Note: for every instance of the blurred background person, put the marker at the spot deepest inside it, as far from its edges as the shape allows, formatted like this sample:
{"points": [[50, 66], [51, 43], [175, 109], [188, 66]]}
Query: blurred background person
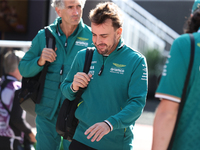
{"points": [[15, 132], [170, 90]]}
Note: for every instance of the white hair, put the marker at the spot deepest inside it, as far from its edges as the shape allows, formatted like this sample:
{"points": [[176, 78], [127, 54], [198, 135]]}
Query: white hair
{"points": [[60, 3]]}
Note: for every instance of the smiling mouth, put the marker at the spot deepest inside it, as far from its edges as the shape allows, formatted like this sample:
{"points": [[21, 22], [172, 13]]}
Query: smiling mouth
{"points": [[100, 47]]}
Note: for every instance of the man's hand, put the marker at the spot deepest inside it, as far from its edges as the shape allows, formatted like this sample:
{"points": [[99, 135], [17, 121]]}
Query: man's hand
{"points": [[32, 137], [81, 79], [98, 130], [48, 54]]}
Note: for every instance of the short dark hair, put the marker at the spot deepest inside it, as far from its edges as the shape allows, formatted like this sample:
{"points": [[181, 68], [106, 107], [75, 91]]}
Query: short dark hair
{"points": [[104, 11]]}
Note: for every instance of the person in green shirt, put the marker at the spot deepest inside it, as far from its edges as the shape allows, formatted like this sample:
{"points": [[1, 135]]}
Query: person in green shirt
{"points": [[116, 86], [71, 35], [170, 90]]}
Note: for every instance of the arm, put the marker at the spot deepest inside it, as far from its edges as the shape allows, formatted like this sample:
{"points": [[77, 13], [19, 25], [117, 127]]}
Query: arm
{"points": [[170, 91], [34, 59], [137, 91], [75, 78], [164, 122], [134, 105]]}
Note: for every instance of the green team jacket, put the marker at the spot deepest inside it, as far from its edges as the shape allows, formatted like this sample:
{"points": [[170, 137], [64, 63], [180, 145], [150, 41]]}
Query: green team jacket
{"points": [[52, 97], [118, 95]]}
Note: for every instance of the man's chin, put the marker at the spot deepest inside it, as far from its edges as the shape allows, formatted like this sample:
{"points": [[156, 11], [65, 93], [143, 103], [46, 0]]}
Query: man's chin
{"points": [[76, 20], [101, 52]]}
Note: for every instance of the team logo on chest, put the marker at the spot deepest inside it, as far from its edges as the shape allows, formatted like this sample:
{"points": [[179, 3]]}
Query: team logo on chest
{"points": [[82, 41], [117, 68]]}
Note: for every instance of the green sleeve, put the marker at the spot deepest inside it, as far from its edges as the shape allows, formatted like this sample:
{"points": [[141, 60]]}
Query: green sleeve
{"points": [[137, 91], [28, 66], [175, 69], [65, 86]]}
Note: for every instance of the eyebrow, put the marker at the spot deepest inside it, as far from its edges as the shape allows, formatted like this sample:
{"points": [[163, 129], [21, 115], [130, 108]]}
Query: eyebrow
{"points": [[100, 34]]}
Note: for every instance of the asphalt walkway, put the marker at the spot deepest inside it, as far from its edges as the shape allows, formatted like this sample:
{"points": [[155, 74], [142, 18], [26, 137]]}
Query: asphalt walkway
{"points": [[143, 130]]}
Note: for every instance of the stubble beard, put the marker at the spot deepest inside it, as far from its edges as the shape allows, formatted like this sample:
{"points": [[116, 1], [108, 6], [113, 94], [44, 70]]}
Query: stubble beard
{"points": [[108, 49]]}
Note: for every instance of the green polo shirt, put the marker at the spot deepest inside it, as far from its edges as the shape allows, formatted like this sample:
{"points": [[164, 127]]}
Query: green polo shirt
{"points": [[171, 87]]}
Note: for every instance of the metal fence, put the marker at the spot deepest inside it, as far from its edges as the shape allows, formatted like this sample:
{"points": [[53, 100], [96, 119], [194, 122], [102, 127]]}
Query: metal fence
{"points": [[4, 44], [24, 45]]}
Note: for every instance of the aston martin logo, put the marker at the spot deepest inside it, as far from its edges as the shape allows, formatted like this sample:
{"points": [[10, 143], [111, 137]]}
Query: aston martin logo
{"points": [[119, 65], [118, 69], [82, 39]]}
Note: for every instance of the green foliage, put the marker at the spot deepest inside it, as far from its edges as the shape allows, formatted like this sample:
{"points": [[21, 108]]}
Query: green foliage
{"points": [[155, 61]]}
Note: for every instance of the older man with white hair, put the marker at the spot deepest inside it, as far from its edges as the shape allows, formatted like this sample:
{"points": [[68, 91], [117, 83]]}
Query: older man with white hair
{"points": [[71, 35]]}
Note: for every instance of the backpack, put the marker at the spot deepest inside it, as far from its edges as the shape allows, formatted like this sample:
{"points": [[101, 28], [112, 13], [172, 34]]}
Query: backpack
{"points": [[32, 87], [3, 85], [26, 141], [67, 122]]}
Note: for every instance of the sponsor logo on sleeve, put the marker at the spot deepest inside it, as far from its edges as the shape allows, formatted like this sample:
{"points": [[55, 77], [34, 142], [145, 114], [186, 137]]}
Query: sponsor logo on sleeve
{"points": [[144, 74]]}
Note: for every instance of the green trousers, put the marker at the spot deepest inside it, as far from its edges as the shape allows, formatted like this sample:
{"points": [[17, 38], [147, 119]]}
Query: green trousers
{"points": [[47, 137]]}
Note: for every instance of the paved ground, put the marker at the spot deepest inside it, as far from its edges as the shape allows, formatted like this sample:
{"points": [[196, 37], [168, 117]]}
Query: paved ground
{"points": [[142, 130], [147, 116]]}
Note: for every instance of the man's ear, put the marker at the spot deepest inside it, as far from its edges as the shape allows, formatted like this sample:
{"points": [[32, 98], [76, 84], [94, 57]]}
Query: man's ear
{"points": [[119, 31], [58, 11]]}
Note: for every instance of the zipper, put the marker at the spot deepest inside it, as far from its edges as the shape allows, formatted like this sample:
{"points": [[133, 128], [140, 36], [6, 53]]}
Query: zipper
{"points": [[104, 61], [124, 132], [102, 67], [61, 73], [61, 70]]}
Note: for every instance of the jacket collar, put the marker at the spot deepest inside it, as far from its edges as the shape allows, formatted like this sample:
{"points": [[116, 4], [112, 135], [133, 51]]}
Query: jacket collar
{"points": [[119, 47]]}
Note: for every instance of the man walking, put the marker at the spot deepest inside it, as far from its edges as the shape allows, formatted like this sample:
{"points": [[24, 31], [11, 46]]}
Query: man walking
{"points": [[116, 86], [71, 35]]}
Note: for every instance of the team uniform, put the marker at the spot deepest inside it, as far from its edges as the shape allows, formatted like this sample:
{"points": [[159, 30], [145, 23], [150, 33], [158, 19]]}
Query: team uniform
{"points": [[52, 97], [171, 87], [117, 95]]}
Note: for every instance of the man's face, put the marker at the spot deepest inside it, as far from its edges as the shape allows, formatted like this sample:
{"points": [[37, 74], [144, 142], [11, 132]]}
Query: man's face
{"points": [[72, 12], [105, 37]]}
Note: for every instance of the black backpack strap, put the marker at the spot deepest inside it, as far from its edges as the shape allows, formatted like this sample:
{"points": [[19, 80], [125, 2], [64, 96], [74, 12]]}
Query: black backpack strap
{"points": [[50, 43], [50, 39], [88, 60], [5, 82], [183, 97]]}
